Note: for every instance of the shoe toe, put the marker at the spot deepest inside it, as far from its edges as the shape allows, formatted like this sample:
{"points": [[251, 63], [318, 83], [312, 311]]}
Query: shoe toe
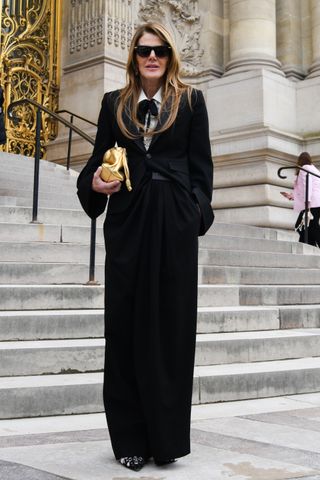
{"points": [[134, 463]]}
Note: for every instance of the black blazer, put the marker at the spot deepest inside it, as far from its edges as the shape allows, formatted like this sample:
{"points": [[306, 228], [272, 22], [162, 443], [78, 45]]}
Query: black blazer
{"points": [[181, 153]]}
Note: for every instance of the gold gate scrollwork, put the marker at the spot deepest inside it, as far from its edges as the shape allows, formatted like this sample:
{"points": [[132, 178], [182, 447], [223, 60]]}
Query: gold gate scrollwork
{"points": [[29, 67]]}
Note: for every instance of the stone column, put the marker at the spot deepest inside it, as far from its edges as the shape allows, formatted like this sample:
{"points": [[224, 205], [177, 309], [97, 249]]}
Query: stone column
{"points": [[289, 50], [315, 27], [252, 36], [211, 36]]}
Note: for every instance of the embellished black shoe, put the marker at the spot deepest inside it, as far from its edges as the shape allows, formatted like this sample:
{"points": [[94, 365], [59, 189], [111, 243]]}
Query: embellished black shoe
{"points": [[134, 463], [160, 463]]}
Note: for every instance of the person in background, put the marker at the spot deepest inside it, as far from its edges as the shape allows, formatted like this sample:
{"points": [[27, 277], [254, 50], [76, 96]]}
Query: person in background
{"points": [[298, 197], [151, 237]]}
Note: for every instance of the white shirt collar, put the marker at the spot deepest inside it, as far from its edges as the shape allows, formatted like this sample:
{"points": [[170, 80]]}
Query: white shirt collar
{"points": [[157, 96]]}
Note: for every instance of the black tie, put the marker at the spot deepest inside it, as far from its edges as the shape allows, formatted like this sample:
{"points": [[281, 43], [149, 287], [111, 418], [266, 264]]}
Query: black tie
{"points": [[147, 107]]}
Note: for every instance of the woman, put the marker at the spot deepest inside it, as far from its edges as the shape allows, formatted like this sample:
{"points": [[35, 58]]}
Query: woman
{"points": [[298, 197], [151, 249]]}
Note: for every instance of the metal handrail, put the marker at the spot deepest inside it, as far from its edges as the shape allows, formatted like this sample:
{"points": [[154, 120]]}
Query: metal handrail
{"points": [[72, 116], [37, 155], [77, 116], [52, 114], [306, 206]]}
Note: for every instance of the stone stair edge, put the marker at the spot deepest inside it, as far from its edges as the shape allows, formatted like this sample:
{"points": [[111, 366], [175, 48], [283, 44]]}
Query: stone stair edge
{"points": [[272, 233], [41, 209], [202, 286], [201, 266], [278, 365], [201, 337], [13, 157], [38, 381], [82, 392]]}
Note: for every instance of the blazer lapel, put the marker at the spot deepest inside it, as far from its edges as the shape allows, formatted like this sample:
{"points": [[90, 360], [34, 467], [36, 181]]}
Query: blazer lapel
{"points": [[133, 129], [164, 114]]}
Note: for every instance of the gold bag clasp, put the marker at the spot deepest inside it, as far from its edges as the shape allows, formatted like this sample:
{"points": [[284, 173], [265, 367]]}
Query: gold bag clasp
{"points": [[115, 166]]}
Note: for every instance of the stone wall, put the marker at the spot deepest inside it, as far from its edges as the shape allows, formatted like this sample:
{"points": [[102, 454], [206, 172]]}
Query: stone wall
{"points": [[258, 63]]}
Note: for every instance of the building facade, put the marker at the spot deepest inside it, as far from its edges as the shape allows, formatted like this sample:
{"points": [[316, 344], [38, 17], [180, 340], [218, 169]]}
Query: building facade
{"points": [[258, 63]]}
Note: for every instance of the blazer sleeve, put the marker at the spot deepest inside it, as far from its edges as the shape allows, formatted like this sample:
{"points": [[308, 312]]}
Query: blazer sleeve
{"points": [[200, 160], [92, 202]]}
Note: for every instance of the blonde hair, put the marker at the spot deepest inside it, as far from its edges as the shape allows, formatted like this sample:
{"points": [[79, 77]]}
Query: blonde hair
{"points": [[173, 87]]}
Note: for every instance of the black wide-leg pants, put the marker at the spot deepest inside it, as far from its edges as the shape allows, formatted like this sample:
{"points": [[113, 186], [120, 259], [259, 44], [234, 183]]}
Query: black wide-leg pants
{"points": [[150, 321], [313, 229]]}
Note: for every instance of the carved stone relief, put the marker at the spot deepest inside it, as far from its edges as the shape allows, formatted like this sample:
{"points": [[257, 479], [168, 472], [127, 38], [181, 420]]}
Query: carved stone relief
{"points": [[95, 23], [119, 23], [86, 27], [183, 18], [92, 20]]}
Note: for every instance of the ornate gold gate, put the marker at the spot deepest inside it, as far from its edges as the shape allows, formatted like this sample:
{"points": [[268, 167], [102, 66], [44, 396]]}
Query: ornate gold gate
{"points": [[29, 66]]}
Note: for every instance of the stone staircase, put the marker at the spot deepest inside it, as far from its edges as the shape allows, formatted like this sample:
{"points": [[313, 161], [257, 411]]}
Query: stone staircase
{"points": [[259, 305]]}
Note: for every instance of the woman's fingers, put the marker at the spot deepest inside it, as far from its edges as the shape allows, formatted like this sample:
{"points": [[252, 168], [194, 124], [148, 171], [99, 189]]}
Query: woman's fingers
{"points": [[113, 186], [100, 186]]}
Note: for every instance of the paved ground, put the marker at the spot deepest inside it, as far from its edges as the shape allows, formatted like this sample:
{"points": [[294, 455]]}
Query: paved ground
{"points": [[269, 439]]}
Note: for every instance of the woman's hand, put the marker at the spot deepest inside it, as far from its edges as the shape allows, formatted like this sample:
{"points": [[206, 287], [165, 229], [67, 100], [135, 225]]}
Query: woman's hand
{"points": [[289, 196], [100, 186]]}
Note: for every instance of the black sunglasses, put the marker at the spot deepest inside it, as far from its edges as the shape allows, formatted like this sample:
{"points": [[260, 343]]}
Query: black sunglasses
{"points": [[160, 51]]}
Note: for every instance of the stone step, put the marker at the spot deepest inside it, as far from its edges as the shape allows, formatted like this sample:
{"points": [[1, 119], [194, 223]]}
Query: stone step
{"points": [[258, 295], [43, 252], [47, 357], [221, 228], [29, 232], [11, 201], [68, 252], [225, 242], [261, 215], [45, 395], [245, 318], [51, 324], [43, 357], [302, 316], [60, 297], [20, 163], [236, 319], [76, 273], [254, 275], [65, 324], [24, 198], [48, 273], [45, 215], [47, 183], [46, 190], [81, 234], [257, 259], [279, 295], [246, 347], [222, 383], [48, 170], [44, 201], [38, 396], [78, 217], [50, 297]]}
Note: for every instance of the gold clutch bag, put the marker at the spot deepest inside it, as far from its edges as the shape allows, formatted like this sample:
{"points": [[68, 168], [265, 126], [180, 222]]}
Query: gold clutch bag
{"points": [[115, 166]]}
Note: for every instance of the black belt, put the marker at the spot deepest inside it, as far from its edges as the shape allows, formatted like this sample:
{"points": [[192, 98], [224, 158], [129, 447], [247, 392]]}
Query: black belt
{"points": [[158, 176]]}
